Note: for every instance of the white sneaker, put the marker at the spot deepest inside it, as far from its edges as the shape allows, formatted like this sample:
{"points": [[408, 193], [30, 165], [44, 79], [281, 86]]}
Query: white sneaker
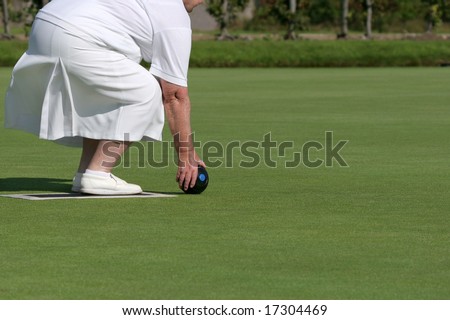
{"points": [[112, 185], [76, 182]]}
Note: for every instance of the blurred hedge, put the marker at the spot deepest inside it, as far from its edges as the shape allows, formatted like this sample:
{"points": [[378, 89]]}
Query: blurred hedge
{"points": [[10, 51], [306, 53], [332, 53]]}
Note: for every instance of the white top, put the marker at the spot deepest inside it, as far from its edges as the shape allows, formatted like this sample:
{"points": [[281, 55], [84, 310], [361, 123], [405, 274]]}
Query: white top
{"points": [[157, 31]]}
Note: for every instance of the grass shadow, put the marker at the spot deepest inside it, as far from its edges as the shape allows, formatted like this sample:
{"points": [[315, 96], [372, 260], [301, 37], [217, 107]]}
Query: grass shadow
{"points": [[24, 184], [35, 184]]}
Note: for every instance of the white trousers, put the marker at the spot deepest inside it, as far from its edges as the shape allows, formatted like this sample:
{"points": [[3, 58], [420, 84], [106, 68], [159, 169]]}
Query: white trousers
{"points": [[66, 87]]}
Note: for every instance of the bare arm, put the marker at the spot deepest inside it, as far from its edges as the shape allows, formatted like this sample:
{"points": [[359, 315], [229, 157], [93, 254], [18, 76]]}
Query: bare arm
{"points": [[177, 106]]}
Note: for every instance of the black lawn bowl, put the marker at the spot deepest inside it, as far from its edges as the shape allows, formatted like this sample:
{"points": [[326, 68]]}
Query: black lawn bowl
{"points": [[201, 184]]}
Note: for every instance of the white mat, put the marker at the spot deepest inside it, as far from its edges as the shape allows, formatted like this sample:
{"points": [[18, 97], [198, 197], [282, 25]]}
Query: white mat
{"points": [[66, 196]]}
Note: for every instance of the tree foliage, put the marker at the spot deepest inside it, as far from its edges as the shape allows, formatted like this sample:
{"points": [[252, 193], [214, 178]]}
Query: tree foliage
{"points": [[225, 11], [387, 15], [289, 14]]}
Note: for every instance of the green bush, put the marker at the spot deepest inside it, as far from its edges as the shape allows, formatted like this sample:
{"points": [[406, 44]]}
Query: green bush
{"points": [[271, 53], [10, 52], [261, 53]]}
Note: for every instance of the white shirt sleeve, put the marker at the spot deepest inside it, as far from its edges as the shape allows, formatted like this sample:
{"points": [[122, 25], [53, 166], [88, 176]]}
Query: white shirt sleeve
{"points": [[172, 36], [171, 52]]}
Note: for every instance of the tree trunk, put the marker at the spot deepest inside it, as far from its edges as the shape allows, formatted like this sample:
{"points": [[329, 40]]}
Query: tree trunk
{"points": [[291, 27], [344, 19], [292, 5], [369, 4], [430, 27], [224, 21], [6, 19]]}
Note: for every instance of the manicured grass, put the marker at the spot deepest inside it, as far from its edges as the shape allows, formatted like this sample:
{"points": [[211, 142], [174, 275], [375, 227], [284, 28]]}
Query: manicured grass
{"points": [[377, 229]]}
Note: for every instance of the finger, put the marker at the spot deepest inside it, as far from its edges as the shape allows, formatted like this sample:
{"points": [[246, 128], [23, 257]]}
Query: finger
{"points": [[194, 178], [187, 180], [181, 177], [201, 163]]}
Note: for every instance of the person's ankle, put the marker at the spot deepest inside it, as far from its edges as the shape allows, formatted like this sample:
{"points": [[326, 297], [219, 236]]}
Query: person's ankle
{"points": [[98, 173]]}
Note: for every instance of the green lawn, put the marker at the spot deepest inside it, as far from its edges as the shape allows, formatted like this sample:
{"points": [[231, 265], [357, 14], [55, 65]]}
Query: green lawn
{"points": [[377, 229]]}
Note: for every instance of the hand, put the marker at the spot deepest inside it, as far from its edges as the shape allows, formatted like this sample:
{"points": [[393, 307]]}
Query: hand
{"points": [[187, 173]]}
